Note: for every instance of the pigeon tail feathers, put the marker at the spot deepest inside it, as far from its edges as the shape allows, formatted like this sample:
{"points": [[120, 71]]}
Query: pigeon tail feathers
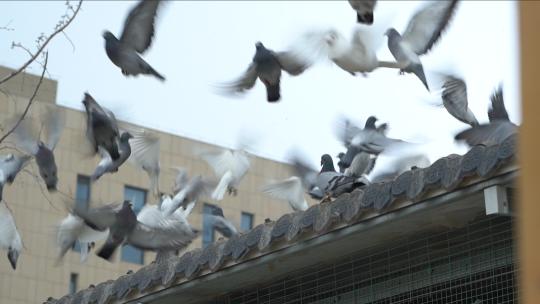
{"points": [[222, 187]]}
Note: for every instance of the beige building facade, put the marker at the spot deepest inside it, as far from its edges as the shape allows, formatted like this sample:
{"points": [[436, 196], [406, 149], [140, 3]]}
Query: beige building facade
{"points": [[38, 212]]}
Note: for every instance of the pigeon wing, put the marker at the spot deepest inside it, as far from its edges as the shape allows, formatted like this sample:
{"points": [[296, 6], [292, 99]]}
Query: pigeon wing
{"points": [[139, 26], [497, 110], [145, 155], [54, 121]]}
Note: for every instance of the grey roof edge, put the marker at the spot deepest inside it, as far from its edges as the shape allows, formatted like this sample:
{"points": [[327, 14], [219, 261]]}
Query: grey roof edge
{"points": [[446, 175]]}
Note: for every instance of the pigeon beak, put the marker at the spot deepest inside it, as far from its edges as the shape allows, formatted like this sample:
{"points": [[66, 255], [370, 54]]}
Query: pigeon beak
{"points": [[13, 256], [51, 188]]}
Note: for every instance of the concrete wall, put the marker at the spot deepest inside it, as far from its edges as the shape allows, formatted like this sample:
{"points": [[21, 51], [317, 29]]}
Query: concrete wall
{"points": [[37, 212]]}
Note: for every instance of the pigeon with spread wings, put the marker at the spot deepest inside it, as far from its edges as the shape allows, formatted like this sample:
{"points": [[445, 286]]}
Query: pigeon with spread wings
{"points": [[73, 229], [289, 190], [101, 127], [145, 155], [454, 96], [10, 166], [136, 39], [424, 29]]}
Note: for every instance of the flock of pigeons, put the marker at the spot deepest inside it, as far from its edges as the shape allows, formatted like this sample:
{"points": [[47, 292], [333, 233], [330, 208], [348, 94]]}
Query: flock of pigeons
{"points": [[164, 227]]}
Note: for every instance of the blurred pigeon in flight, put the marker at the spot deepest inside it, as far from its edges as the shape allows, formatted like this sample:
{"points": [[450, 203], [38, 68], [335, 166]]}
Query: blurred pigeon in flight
{"points": [[25, 138], [364, 10], [101, 127], [10, 165], [401, 165], [136, 39], [497, 130], [107, 164], [220, 223], [229, 166], [181, 179], [355, 56], [423, 31], [191, 192], [10, 239], [326, 183], [71, 229], [267, 66], [145, 149], [290, 190], [119, 219], [454, 98]]}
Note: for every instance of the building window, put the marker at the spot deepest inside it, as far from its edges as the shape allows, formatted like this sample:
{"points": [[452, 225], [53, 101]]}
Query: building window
{"points": [[246, 221], [208, 228], [82, 199], [138, 198], [73, 278]]}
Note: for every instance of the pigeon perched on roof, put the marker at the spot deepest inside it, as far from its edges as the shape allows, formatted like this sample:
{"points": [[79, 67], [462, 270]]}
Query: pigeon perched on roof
{"points": [[220, 223], [266, 66], [289, 190], [101, 127], [72, 229], [27, 139], [364, 10], [496, 131], [195, 188], [229, 166], [454, 98], [423, 31], [107, 164], [119, 219], [145, 149], [136, 39], [357, 55], [10, 239], [326, 183], [356, 162], [10, 165]]}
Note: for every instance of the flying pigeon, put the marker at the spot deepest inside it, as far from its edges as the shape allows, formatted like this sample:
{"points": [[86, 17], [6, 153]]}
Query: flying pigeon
{"points": [[326, 183], [195, 188], [10, 165], [181, 179], [355, 56], [267, 66], [370, 139], [136, 39], [496, 131], [356, 162], [220, 223], [423, 31], [107, 164], [10, 239], [119, 219], [364, 10], [71, 229], [25, 138], [145, 155], [101, 127], [158, 231], [229, 166], [290, 190], [454, 98], [400, 165]]}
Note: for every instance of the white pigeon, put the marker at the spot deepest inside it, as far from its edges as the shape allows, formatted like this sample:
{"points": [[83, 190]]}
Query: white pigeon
{"points": [[181, 179], [10, 239], [229, 166], [10, 166], [290, 190], [191, 192], [72, 228], [145, 147]]}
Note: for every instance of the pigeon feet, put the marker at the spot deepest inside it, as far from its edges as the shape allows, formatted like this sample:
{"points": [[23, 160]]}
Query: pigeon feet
{"points": [[326, 199], [232, 191], [401, 72]]}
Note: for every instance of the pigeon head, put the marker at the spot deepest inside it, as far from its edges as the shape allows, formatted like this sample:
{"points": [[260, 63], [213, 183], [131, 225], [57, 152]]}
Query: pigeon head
{"points": [[391, 32], [259, 45], [108, 35], [13, 256], [127, 204], [217, 211], [340, 155], [370, 122], [366, 18], [125, 136]]}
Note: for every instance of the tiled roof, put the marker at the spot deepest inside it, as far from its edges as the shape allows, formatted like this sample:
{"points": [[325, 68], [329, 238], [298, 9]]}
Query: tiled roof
{"points": [[446, 174]]}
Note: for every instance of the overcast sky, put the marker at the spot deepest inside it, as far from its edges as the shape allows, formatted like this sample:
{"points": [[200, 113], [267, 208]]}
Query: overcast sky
{"points": [[201, 43]]}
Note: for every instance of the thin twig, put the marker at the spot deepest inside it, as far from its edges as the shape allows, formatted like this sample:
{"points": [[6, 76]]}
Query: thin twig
{"points": [[29, 101], [33, 58], [6, 27]]}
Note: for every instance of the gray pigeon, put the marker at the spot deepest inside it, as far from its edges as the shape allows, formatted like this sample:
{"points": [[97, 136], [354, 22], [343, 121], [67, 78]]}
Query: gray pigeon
{"points": [[136, 39], [101, 127], [424, 29], [496, 131], [356, 162], [10, 239], [10, 165], [220, 223], [107, 164], [454, 98], [364, 10], [72, 229], [267, 66], [119, 219], [25, 138]]}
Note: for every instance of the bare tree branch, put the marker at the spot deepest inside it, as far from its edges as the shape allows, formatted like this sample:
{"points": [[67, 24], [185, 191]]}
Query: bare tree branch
{"points": [[30, 101], [59, 29], [6, 27]]}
